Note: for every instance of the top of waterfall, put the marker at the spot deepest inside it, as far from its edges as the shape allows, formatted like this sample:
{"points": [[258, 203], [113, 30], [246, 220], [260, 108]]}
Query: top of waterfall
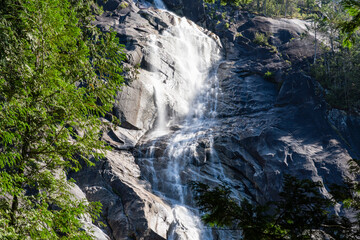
{"points": [[159, 4], [154, 3]]}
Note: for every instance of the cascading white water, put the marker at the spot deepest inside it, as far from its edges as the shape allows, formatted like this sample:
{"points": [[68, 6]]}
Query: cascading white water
{"points": [[159, 90], [193, 54], [186, 98]]}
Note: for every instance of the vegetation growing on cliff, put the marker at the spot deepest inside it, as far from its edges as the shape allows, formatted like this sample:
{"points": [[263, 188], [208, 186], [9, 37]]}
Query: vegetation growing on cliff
{"points": [[337, 46], [283, 8], [337, 69], [301, 212], [58, 74]]}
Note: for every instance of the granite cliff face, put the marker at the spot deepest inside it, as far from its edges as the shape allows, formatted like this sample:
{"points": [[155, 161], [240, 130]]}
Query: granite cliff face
{"points": [[216, 120]]}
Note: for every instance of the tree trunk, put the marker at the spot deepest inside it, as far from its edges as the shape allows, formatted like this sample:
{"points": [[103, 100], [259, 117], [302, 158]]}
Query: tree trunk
{"points": [[14, 208], [315, 42], [264, 7]]}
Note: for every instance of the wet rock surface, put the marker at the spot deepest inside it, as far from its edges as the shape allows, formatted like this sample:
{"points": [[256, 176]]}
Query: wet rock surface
{"points": [[264, 127]]}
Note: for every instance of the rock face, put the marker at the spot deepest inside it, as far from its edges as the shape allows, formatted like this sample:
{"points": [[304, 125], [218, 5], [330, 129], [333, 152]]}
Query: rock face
{"points": [[191, 9], [135, 106], [129, 208], [245, 121], [271, 127]]}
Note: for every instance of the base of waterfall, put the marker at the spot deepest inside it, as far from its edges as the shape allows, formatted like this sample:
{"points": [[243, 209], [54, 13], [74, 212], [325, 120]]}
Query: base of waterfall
{"points": [[187, 225]]}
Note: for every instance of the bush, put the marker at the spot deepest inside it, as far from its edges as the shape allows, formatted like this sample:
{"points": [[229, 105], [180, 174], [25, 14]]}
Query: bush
{"points": [[269, 76], [123, 5], [261, 39]]}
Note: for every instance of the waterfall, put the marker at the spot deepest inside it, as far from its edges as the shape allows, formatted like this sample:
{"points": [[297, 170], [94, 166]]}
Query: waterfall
{"points": [[159, 4], [181, 142], [155, 3]]}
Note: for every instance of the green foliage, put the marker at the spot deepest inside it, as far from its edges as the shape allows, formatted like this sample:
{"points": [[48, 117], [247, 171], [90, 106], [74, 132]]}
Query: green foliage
{"points": [[261, 39], [275, 8], [349, 27], [230, 2], [123, 5], [337, 67], [348, 194], [300, 211], [338, 72], [301, 208], [221, 209], [269, 76], [58, 74]]}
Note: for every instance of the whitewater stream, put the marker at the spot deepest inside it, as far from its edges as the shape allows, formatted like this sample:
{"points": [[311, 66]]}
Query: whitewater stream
{"points": [[181, 142]]}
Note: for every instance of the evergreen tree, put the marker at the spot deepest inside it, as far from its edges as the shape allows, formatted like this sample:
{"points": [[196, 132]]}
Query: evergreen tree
{"points": [[350, 26], [348, 195], [300, 212], [58, 74]]}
